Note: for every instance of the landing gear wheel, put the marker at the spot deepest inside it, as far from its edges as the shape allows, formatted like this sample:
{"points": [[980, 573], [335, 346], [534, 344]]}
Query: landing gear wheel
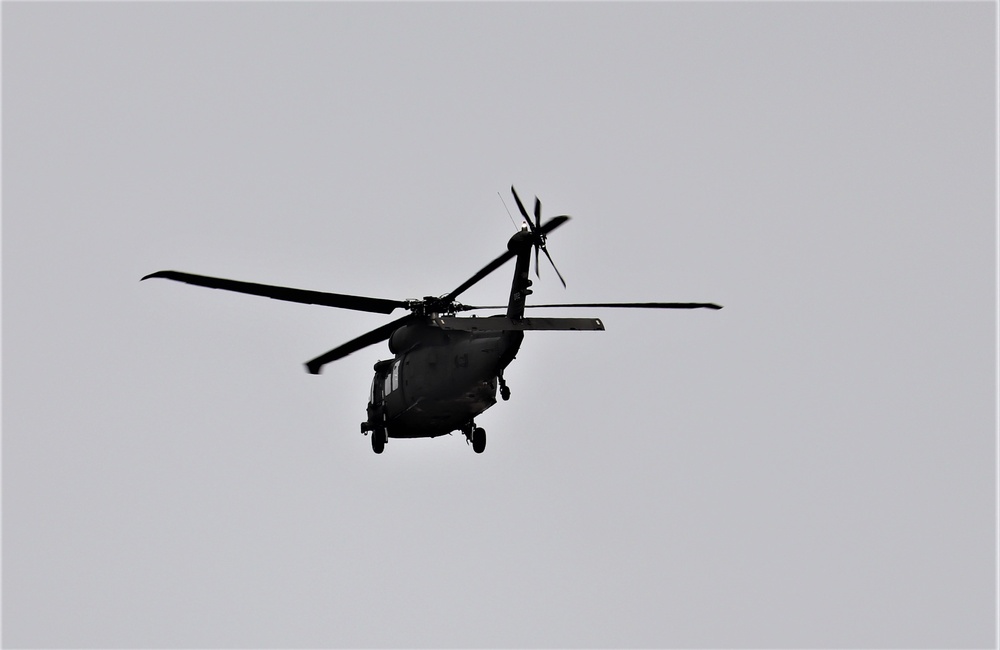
{"points": [[378, 440], [479, 440]]}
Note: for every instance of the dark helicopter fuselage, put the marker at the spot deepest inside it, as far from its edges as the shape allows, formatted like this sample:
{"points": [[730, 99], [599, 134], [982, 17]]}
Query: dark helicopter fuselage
{"points": [[440, 384], [441, 379]]}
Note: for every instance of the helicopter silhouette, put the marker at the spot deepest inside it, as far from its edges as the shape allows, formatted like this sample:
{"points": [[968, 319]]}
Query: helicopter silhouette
{"points": [[446, 368]]}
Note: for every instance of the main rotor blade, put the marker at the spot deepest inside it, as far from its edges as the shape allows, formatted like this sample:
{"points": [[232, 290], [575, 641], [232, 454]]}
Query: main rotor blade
{"points": [[370, 338], [343, 301], [483, 272], [549, 226], [640, 305], [616, 305]]}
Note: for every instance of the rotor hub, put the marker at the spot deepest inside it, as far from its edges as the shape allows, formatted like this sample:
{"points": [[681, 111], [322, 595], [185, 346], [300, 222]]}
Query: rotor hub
{"points": [[434, 305]]}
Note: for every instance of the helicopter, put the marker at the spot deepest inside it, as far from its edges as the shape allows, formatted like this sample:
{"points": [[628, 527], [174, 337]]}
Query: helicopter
{"points": [[445, 369]]}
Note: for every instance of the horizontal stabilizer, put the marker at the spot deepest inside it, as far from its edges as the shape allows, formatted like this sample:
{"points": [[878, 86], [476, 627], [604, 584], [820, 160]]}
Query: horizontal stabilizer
{"points": [[505, 324]]}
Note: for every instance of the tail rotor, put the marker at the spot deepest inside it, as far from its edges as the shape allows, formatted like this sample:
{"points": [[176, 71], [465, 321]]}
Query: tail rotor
{"points": [[536, 231]]}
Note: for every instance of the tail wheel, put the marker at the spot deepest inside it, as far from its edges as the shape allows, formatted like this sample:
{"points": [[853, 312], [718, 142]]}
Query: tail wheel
{"points": [[479, 440]]}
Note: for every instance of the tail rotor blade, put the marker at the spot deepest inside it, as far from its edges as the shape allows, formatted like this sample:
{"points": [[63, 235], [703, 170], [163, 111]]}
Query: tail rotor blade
{"points": [[520, 206], [539, 232], [549, 226], [540, 236], [546, 251]]}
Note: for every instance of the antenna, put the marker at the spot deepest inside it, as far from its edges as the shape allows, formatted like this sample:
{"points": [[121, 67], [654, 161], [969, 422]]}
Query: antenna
{"points": [[508, 211]]}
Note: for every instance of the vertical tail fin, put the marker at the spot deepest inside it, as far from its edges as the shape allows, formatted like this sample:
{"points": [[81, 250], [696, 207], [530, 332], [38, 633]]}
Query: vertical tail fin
{"points": [[521, 244]]}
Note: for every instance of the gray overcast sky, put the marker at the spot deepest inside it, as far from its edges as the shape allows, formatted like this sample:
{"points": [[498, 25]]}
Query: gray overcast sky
{"points": [[815, 465]]}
